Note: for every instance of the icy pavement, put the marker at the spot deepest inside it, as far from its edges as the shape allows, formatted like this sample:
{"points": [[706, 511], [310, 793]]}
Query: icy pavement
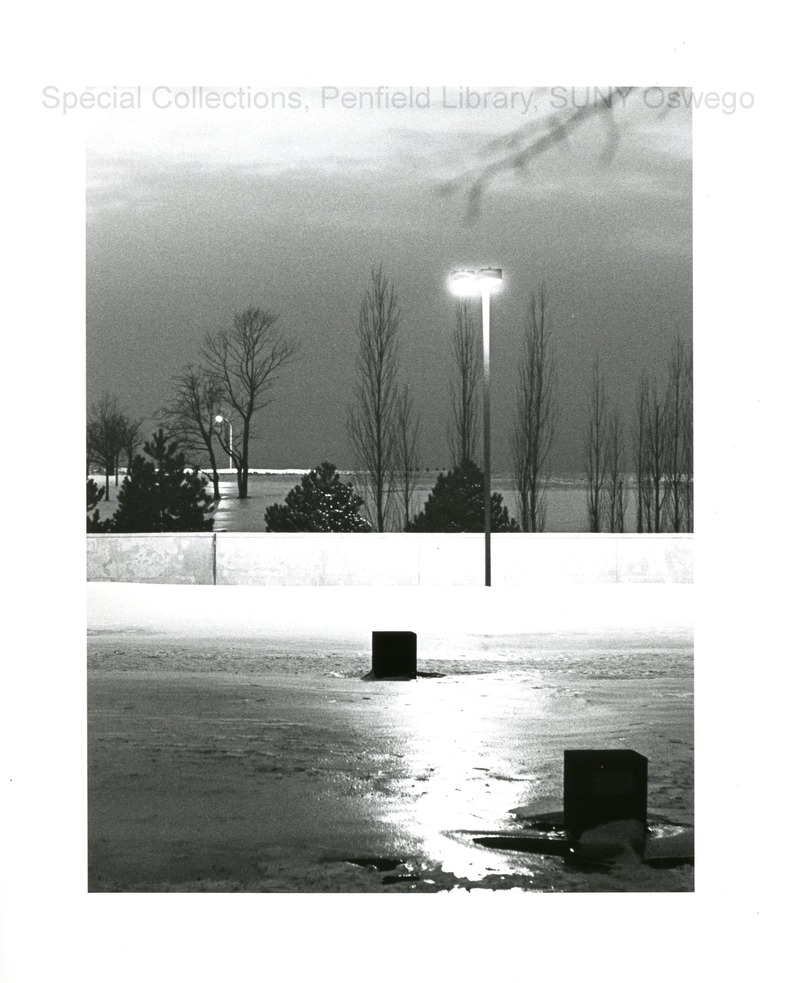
{"points": [[236, 766]]}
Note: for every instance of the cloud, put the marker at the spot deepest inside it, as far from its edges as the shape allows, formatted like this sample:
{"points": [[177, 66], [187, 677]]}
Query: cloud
{"points": [[181, 235]]}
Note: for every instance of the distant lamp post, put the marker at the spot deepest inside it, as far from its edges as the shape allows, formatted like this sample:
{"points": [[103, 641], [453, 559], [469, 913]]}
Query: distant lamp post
{"points": [[471, 283], [223, 419]]}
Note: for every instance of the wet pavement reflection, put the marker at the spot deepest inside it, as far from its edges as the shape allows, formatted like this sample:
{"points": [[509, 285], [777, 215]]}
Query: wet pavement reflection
{"points": [[198, 780]]}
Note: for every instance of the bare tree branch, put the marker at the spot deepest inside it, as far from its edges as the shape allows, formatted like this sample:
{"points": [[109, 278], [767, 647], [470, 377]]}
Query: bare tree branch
{"points": [[245, 361], [191, 415], [515, 151], [466, 352], [372, 420], [109, 434], [408, 428], [679, 424], [617, 487], [536, 419], [595, 448]]}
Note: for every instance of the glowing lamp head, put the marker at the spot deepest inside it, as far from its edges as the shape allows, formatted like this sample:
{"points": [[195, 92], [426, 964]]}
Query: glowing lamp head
{"points": [[219, 419], [462, 283], [468, 283]]}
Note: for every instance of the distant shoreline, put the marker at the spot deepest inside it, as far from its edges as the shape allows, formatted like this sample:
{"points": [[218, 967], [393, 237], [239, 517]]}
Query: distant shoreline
{"points": [[565, 497]]}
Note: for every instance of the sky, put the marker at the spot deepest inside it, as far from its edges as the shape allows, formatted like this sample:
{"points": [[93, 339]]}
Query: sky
{"points": [[196, 211]]}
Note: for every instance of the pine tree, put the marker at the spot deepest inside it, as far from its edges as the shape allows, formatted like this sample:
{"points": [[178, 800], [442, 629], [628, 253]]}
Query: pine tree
{"points": [[320, 503], [456, 505], [93, 495], [162, 495]]}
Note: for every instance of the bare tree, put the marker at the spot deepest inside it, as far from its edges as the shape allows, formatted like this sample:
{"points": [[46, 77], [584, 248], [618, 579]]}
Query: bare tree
{"points": [[132, 436], [643, 490], [617, 489], [596, 452], [604, 460], [657, 447], [466, 351], [108, 434], [536, 415], [408, 427], [372, 419], [245, 361], [513, 153], [651, 441], [191, 414], [679, 466], [688, 444]]}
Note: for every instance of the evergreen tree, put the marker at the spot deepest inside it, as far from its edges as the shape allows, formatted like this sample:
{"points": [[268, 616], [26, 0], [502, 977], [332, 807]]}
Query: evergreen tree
{"points": [[320, 503], [93, 495], [162, 495], [456, 505]]}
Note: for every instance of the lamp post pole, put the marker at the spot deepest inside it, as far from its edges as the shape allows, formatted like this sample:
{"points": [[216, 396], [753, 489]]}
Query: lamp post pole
{"points": [[487, 443], [468, 283]]}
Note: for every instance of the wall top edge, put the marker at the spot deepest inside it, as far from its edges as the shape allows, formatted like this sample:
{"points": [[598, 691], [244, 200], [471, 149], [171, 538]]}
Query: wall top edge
{"points": [[557, 536]]}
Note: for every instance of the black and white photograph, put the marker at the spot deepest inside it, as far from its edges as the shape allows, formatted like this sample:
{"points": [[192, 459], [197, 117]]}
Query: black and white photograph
{"points": [[360, 239], [453, 301], [240, 741], [389, 287]]}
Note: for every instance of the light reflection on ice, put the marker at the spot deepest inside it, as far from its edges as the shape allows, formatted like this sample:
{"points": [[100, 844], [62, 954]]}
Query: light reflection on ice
{"points": [[458, 776]]}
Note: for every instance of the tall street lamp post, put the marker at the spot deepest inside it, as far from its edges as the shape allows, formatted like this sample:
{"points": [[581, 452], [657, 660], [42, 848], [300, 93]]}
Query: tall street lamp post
{"points": [[470, 283], [222, 419]]}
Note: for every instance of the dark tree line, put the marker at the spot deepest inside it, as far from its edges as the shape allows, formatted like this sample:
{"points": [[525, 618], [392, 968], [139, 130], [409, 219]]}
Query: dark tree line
{"points": [[215, 404], [160, 493], [661, 452], [664, 447], [604, 460], [111, 438]]}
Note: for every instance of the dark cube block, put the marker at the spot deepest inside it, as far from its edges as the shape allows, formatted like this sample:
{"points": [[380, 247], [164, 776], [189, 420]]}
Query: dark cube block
{"points": [[603, 786], [394, 653]]}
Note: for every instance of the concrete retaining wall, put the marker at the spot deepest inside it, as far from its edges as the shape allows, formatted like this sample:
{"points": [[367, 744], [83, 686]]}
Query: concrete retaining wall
{"points": [[387, 559]]}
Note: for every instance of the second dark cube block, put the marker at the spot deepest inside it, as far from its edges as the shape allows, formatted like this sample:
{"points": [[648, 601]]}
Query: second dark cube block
{"points": [[603, 786], [394, 653]]}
